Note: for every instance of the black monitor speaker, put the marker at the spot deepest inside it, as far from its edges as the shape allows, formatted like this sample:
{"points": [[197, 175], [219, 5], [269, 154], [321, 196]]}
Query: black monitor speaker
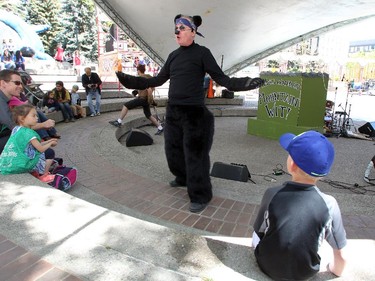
{"points": [[137, 137], [237, 172], [368, 129]]}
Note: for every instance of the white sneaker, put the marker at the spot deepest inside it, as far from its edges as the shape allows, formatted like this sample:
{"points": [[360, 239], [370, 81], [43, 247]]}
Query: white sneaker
{"points": [[92, 115], [98, 114]]}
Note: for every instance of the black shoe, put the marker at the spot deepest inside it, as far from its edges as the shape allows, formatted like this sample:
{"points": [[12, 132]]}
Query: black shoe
{"points": [[115, 123], [56, 137], [197, 207], [176, 183]]}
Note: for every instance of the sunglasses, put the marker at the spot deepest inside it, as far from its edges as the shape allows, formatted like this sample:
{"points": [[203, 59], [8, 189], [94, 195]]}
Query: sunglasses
{"points": [[16, 82], [181, 28]]}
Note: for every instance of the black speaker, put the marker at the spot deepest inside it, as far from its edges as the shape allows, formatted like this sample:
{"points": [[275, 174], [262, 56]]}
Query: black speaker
{"points": [[237, 172], [368, 129], [226, 94], [137, 137]]}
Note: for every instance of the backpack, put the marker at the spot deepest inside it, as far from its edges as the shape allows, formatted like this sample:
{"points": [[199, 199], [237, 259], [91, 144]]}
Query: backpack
{"points": [[65, 177]]}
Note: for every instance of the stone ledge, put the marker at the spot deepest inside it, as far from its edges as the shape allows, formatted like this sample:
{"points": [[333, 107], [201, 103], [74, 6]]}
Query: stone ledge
{"points": [[227, 108]]}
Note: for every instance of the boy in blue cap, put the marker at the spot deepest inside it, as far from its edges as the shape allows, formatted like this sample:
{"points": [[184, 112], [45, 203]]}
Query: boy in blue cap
{"points": [[294, 218]]}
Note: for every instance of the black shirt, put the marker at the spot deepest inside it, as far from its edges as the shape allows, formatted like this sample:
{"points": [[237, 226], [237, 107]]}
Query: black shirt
{"points": [[186, 68], [292, 222]]}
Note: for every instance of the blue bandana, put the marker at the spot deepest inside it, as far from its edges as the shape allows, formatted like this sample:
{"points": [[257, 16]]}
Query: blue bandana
{"points": [[186, 22]]}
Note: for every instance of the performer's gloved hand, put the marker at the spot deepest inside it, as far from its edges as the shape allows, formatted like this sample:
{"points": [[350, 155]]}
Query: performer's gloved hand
{"points": [[254, 83], [135, 92]]}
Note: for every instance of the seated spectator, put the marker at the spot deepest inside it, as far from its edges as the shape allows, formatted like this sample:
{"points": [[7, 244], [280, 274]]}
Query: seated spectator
{"points": [[51, 102], [19, 60], [7, 60], [63, 98], [78, 110], [24, 151], [295, 217], [45, 134], [11, 86]]}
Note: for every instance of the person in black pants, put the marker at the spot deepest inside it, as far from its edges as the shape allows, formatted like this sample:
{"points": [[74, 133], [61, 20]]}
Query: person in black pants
{"points": [[189, 127]]}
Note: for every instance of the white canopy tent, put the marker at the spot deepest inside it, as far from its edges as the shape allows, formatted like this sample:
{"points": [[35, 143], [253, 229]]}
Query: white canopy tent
{"points": [[240, 32]]}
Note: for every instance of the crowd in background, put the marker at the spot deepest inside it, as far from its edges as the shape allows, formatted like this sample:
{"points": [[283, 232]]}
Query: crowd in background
{"points": [[10, 57]]}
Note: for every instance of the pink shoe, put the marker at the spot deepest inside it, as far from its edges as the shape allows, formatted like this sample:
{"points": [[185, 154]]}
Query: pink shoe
{"points": [[47, 178]]}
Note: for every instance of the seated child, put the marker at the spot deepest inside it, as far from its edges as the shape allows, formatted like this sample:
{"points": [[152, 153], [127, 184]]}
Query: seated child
{"points": [[294, 218], [24, 151], [45, 134], [51, 102], [78, 110]]}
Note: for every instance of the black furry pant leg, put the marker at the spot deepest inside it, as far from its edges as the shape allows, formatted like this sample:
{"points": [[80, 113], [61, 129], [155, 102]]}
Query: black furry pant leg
{"points": [[188, 137]]}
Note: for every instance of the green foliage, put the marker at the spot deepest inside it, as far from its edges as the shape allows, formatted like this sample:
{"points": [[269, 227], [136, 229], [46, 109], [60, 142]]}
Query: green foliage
{"points": [[80, 30], [6, 5], [273, 64], [16, 7], [314, 66], [294, 66], [72, 23], [45, 12]]}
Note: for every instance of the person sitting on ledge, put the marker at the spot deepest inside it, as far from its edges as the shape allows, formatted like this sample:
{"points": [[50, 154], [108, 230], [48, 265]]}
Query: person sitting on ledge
{"points": [[294, 218]]}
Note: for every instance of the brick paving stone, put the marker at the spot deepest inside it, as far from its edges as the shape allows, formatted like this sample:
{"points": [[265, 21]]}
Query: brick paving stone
{"points": [[191, 220], [6, 246], [169, 215], [217, 201], [227, 203], [35, 271], [53, 274], [240, 230], [238, 206], [202, 223], [160, 212], [244, 219], [220, 214], [232, 216], [209, 211], [11, 255], [180, 217], [214, 226], [179, 204], [227, 228]]}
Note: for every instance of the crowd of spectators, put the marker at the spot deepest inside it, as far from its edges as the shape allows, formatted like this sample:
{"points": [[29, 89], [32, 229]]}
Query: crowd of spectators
{"points": [[10, 57]]}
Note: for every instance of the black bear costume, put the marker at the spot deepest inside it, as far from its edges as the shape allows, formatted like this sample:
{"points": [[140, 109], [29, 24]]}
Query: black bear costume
{"points": [[189, 126]]}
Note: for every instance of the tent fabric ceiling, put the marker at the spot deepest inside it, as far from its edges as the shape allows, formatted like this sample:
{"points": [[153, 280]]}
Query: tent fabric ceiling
{"points": [[234, 31]]}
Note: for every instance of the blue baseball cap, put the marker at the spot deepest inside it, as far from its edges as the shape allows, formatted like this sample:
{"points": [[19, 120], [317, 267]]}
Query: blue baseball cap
{"points": [[311, 151]]}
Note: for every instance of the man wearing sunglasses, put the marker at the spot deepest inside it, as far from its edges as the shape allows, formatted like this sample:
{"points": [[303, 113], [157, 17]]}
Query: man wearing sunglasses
{"points": [[11, 86], [189, 126]]}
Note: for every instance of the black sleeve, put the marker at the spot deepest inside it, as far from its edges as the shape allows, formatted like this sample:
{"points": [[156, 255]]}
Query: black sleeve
{"points": [[132, 82], [232, 84]]}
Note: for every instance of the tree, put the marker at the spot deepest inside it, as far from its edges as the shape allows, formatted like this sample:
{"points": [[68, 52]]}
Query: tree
{"points": [[6, 5], [45, 12], [80, 30], [16, 7]]}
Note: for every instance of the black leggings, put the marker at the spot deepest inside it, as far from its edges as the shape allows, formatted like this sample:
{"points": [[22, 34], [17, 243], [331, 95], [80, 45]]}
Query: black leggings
{"points": [[188, 134]]}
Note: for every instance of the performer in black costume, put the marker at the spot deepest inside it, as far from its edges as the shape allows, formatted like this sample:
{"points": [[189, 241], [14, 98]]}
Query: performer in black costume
{"points": [[189, 126]]}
